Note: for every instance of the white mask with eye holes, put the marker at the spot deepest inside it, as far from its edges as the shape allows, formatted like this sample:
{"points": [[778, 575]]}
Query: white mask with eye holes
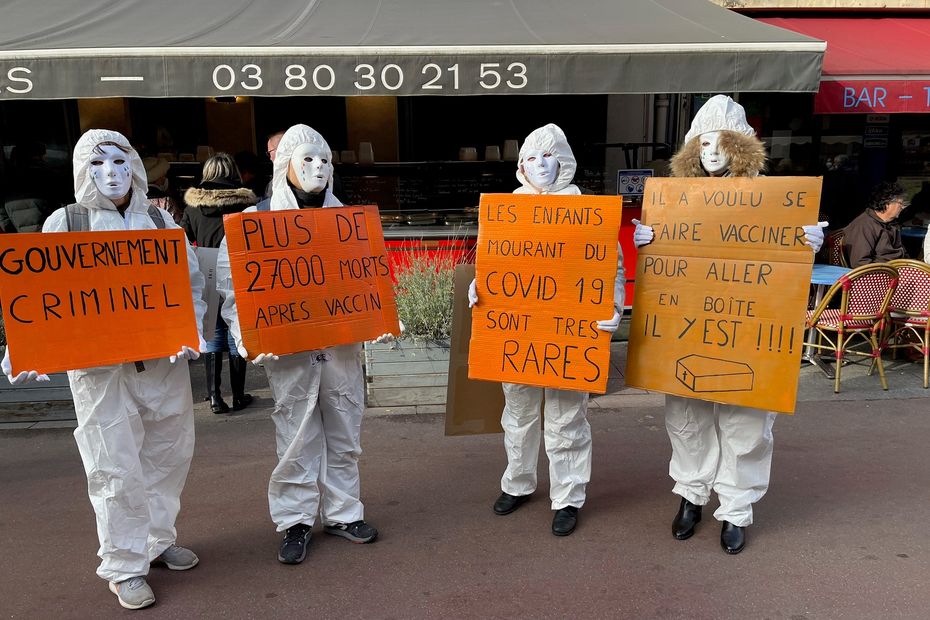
{"points": [[540, 168], [311, 167], [111, 172], [712, 158]]}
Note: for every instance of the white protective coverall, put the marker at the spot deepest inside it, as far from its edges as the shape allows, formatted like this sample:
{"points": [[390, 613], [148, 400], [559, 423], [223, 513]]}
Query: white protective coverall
{"points": [[567, 432], [319, 395], [135, 429], [724, 448]]}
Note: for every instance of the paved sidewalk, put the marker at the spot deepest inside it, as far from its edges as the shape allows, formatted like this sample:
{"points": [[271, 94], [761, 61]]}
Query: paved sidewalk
{"points": [[905, 380]]}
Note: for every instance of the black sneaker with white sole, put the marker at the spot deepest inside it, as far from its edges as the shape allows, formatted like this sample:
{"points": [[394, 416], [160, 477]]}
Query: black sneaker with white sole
{"points": [[358, 531], [294, 547]]}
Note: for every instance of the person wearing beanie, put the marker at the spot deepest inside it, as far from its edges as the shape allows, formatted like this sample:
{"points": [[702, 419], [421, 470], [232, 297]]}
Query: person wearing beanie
{"points": [[546, 165], [719, 448]]}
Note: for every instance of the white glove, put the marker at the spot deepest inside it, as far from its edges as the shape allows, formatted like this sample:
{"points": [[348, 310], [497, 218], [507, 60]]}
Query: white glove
{"points": [[643, 235], [261, 357], [472, 294], [186, 353], [25, 376], [264, 357], [813, 235], [611, 325], [389, 337]]}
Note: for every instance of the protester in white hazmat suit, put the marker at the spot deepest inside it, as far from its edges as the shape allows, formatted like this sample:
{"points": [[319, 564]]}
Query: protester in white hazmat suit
{"points": [[319, 395], [716, 447], [135, 427], [546, 165]]}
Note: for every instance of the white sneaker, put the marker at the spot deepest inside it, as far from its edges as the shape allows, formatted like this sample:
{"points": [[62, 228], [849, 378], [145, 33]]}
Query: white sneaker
{"points": [[133, 593], [177, 558]]}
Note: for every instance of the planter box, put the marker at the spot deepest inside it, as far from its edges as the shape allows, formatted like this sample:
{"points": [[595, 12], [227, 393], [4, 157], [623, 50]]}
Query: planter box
{"points": [[406, 373]]}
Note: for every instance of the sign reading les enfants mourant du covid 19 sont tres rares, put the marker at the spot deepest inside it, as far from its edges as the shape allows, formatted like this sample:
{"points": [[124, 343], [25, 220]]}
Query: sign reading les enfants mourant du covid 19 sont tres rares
{"points": [[87, 299], [310, 278], [722, 290], [545, 269]]}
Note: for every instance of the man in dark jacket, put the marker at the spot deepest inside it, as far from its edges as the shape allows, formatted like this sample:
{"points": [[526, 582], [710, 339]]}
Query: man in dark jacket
{"points": [[875, 236]]}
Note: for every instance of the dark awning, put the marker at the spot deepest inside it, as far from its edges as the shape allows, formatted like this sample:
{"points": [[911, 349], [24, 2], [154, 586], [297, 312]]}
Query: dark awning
{"points": [[873, 64], [175, 48]]}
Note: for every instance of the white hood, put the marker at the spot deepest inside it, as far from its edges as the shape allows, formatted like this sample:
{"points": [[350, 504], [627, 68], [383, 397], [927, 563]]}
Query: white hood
{"points": [[720, 113], [85, 191], [551, 139], [281, 195]]}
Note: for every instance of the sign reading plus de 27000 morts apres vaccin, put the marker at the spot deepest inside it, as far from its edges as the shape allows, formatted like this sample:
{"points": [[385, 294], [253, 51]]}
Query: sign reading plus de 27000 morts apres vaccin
{"points": [[310, 278]]}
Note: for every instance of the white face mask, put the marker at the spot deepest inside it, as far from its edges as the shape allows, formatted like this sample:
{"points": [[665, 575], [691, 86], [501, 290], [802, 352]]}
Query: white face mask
{"points": [[712, 158], [111, 172], [310, 167], [540, 168]]}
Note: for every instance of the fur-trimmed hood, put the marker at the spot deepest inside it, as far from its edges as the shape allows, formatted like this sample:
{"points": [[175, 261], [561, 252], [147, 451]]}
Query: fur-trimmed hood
{"points": [[746, 153], [223, 200]]}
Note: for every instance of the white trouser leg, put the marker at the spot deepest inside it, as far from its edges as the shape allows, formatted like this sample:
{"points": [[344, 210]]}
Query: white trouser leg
{"points": [[692, 430], [342, 404], [742, 478], [521, 437], [135, 437], [293, 492], [163, 396], [568, 445]]}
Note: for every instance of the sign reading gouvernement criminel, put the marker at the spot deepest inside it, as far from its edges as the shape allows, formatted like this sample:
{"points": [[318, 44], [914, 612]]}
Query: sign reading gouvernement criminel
{"points": [[545, 270], [722, 290]]}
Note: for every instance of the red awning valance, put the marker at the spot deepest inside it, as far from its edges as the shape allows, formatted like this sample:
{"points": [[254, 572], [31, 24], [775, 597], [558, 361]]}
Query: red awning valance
{"points": [[872, 64]]}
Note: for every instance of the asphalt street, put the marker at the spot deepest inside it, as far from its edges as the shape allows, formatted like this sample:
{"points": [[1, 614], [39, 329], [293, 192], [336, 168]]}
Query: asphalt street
{"points": [[841, 533]]}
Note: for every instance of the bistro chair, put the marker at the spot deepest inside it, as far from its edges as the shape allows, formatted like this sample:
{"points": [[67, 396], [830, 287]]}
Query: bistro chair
{"points": [[835, 248], [909, 311], [858, 316]]}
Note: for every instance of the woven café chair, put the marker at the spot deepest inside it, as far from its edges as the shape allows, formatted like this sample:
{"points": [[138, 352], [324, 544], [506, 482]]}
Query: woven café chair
{"points": [[864, 294], [835, 246], [909, 311]]}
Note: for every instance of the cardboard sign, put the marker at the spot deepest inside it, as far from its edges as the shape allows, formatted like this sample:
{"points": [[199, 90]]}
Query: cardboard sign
{"points": [[545, 268], [472, 407], [307, 279], [721, 292], [206, 260], [81, 300]]}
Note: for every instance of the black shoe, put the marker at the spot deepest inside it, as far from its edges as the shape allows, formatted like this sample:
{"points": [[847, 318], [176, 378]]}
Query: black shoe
{"points": [[507, 503], [357, 531], [564, 521], [732, 538], [688, 516], [294, 547], [218, 405], [237, 369], [214, 368]]}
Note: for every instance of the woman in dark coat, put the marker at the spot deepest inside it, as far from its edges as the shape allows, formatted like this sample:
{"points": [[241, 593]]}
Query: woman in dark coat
{"points": [[219, 193]]}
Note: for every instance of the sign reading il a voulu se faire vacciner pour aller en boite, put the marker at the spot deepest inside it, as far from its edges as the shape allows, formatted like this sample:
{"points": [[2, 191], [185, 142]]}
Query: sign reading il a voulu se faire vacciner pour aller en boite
{"points": [[310, 278], [127, 291], [722, 290], [545, 269]]}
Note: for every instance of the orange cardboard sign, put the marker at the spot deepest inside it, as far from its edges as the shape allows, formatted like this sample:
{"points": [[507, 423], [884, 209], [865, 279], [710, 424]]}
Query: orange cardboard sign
{"points": [[87, 299], [307, 279], [545, 270], [722, 290]]}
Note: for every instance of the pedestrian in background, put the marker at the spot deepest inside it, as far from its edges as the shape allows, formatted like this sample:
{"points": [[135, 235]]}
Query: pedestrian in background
{"points": [[219, 193]]}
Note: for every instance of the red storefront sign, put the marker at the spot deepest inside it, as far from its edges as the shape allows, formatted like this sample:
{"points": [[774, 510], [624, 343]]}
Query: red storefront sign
{"points": [[872, 96]]}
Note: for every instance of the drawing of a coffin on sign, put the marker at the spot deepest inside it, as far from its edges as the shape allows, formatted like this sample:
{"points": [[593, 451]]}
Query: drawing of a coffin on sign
{"points": [[708, 374]]}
